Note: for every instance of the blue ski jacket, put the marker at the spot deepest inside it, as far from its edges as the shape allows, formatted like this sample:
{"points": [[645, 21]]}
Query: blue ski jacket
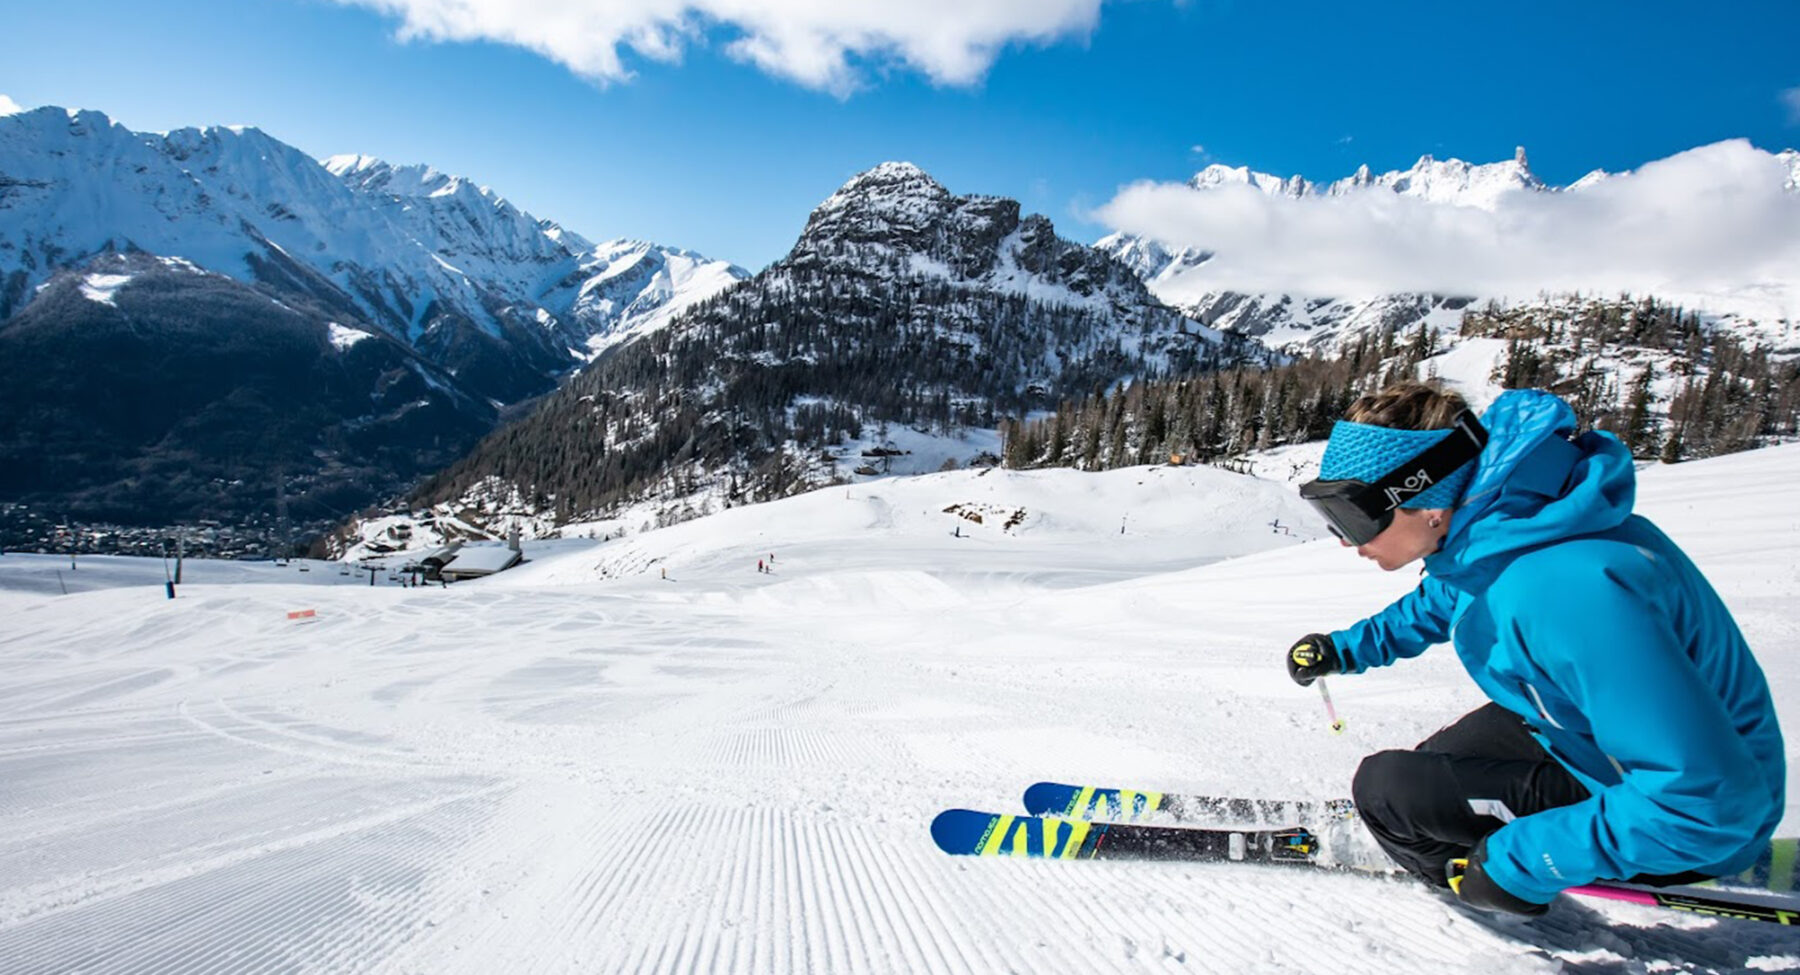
{"points": [[1596, 629]]}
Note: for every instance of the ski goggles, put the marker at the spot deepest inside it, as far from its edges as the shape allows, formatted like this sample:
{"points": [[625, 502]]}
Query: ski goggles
{"points": [[1357, 511]]}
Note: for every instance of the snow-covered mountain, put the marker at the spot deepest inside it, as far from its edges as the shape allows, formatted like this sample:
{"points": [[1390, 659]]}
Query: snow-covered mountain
{"points": [[615, 291], [431, 259], [901, 305], [1300, 323], [1451, 182], [146, 280], [625, 289], [895, 221], [1296, 323], [897, 225]]}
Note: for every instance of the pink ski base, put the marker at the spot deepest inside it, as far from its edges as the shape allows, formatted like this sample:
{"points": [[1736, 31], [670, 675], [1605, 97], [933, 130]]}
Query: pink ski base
{"points": [[1615, 894]]}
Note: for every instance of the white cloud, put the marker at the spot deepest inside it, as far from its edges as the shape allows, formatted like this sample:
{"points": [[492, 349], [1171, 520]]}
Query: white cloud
{"points": [[822, 44], [1791, 98], [9, 107], [1712, 220]]}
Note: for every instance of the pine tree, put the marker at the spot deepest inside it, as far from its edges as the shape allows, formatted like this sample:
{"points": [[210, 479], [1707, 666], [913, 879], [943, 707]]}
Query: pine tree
{"points": [[1672, 447], [1638, 428]]}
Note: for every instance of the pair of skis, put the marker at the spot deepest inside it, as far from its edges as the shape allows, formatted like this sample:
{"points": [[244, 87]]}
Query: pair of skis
{"points": [[1073, 822]]}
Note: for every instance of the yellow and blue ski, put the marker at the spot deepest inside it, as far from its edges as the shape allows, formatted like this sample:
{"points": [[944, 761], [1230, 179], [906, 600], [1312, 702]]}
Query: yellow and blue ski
{"points": [[1131, 805], [964, 832], [1777, 870]]}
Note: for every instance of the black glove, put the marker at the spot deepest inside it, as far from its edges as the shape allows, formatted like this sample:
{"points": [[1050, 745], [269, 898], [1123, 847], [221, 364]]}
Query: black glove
{"points": [[1312, 658], [1469, 879]]}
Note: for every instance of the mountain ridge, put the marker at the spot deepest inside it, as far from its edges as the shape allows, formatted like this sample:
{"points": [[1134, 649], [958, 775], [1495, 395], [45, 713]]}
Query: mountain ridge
{"points": [[411, 248]]}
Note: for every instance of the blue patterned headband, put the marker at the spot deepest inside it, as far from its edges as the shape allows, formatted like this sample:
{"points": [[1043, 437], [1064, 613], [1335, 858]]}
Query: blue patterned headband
{"points": [[1365, 452]]}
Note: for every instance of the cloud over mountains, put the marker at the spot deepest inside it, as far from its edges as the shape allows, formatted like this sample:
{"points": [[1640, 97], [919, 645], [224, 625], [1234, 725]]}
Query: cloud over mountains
{"points": [[1718, 219]]}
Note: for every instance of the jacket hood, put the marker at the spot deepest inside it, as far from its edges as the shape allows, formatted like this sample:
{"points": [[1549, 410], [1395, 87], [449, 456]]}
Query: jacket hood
{"points": [[1533, 485]]}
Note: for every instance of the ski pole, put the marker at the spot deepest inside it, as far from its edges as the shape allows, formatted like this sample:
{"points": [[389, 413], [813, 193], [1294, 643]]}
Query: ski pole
{"points": [[1337, 724]]}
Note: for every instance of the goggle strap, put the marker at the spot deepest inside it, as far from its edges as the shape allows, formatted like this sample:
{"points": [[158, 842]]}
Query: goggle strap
{"points": [[1428, 466]]}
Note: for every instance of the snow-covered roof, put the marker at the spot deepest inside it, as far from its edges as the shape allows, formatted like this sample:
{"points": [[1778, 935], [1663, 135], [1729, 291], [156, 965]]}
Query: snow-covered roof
{"points": [[487, 558]]}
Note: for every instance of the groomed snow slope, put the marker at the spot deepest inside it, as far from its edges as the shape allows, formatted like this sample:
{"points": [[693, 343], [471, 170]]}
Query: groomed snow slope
{"points": [[585, 766]]}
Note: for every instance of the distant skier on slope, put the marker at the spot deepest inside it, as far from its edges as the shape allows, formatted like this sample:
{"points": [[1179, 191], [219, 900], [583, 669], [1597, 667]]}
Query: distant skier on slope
{"points": [[1632, 735]]}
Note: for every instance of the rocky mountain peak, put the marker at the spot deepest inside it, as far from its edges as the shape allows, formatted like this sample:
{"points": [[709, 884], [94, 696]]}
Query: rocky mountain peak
{"points": [[894, 206], [895, 221], [1454, 181], [888, 182], [242, 154], [51, 130], [374, 175], [1218, 175]]}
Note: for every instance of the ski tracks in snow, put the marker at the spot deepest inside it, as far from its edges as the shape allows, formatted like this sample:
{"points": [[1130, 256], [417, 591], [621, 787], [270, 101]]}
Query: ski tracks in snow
{"points": [[731, 775]]}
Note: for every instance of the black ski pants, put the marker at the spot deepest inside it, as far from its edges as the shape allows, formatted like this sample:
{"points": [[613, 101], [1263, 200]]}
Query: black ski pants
{"points": [[1434, 803]]}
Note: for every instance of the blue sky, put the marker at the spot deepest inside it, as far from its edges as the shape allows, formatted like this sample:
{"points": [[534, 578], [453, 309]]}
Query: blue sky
{"points": [[725, 156]]}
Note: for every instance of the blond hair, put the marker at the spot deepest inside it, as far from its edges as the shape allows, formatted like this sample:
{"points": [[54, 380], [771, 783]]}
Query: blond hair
{"points": [[1408, 405]]}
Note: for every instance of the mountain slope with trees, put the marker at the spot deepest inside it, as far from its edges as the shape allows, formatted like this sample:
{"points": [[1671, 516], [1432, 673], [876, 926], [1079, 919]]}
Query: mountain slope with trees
{"points": [[899, 304], [1671, 387], [142, 391]]}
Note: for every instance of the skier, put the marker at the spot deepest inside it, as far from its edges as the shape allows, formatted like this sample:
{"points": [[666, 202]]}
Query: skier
{"points": [[1631, 734]]}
